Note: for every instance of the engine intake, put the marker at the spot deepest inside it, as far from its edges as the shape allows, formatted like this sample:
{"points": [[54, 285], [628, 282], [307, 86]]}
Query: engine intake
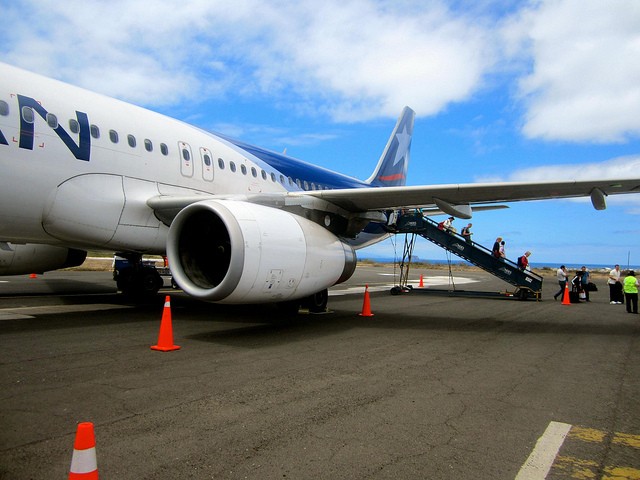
{"points": [[238, 252]]}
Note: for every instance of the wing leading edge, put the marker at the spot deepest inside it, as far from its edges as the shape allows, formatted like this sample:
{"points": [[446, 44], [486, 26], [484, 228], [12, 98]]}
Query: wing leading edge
{"points": [[361, 200]]}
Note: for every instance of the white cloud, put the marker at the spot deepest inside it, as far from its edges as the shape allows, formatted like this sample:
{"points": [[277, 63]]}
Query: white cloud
{"points": [[615, 168], [351, 59], [575, 60], [620, 167], [584, 83]]}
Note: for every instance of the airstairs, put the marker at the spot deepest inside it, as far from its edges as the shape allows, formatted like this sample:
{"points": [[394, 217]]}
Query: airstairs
{"points": [[527, 283]]}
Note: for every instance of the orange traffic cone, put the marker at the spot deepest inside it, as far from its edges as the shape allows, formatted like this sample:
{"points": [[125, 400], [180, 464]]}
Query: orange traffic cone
{"points": [[83, 462], [33, 275], [421, 282], [165, 339], [366, 306], [565, 297]]}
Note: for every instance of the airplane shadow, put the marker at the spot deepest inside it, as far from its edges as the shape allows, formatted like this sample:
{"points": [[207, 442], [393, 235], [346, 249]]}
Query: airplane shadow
{"points": [[262, 330]]}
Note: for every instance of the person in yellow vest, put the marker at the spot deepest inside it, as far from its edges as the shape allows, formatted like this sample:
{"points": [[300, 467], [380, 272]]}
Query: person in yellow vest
{"points": [[631, 292]]}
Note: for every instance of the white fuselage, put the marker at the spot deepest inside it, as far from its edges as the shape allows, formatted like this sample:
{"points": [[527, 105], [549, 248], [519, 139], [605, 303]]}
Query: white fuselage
{"points": [[90, 190]]}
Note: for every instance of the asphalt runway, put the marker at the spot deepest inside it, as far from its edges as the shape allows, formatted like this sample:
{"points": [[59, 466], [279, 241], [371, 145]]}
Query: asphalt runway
{"points": [[430, 387]]}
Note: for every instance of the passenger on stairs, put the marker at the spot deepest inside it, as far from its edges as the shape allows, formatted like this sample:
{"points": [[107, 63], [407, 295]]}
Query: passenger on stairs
{"points": [[495, 251], [466, 233], [523, 261]]}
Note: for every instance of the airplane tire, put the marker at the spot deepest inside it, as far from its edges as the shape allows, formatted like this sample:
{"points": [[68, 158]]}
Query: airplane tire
{"points": [[317, 302], [146, 282]]}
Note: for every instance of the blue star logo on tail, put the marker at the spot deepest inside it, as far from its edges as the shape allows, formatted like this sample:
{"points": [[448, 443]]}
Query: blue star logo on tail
{"points": [[404, 140]]}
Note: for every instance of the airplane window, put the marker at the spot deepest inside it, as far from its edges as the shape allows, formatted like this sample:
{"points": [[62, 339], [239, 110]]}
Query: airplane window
{"points": [[95, 131], [207, 160], [221, 163], [27, 114], [52, 120], [164, 149], [254, 172], [282, 179], [243, 169], [185, 154], [264, 175], [232, 167], [148, 145], [113, 136], [298, 183], [273, 177], [132, 141], [74, 126], [306, 185], [4, 108], [290, 181]]}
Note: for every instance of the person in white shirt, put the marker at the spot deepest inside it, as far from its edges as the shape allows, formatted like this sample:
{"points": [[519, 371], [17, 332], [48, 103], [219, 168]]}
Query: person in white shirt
{"points": [[615, 287], [562, 281]]}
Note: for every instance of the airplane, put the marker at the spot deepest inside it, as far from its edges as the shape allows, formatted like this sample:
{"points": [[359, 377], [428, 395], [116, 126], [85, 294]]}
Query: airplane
{"points": [[239, 224]]}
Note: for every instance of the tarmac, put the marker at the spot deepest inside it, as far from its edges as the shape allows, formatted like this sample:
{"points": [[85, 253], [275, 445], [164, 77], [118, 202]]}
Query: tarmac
{"points": [[429, 387]]}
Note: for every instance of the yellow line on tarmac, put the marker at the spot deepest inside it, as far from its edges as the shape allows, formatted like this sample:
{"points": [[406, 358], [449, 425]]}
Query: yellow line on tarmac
{"points": [[627, 440], [621, 473], [545, 455], [587, 434]]}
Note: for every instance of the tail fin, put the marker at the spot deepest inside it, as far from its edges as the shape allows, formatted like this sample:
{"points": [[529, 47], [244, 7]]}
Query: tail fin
{"points": [[392, 167]]}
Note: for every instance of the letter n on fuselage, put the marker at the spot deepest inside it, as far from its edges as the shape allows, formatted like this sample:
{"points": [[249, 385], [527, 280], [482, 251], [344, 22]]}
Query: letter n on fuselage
{"points": [[81, 151]]}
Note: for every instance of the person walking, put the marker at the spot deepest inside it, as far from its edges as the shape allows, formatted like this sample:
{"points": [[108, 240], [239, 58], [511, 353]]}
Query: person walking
{"points": [[562, 281], [631, 292], [466, 232], [585, 283], [615, 287]]}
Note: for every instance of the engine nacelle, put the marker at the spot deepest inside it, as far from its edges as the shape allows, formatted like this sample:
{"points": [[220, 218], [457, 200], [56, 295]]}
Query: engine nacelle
{"points": [[34, 258], [237, 252]]}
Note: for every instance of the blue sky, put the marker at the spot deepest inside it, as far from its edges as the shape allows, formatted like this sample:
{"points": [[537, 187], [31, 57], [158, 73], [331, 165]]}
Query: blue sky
{"points": [[503, 90]]}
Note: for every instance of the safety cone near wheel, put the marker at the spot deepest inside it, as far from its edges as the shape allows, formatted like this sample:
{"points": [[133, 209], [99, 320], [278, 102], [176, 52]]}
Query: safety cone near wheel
{"points": [[165, 338], [366, 306], [421, 282], [83, 462], [565, 297]]}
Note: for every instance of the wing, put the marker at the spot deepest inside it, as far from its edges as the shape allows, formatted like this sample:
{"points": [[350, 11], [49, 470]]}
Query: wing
{"points": [[364, 199], [456, 200]]}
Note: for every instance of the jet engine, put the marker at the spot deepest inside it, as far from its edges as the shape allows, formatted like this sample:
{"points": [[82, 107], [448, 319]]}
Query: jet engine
{"points": [[34, 258], [238, 252]]}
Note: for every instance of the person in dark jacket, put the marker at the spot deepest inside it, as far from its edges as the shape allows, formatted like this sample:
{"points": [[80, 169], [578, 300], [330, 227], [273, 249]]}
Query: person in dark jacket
{"points": [[495, 251]]}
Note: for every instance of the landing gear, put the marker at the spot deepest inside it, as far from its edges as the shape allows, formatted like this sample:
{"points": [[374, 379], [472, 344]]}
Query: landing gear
{"points": [[316, 303], [136, 279]]}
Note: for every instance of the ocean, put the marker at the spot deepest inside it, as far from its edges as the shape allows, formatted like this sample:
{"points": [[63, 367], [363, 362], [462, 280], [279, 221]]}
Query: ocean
{"points": [[570, 266]]}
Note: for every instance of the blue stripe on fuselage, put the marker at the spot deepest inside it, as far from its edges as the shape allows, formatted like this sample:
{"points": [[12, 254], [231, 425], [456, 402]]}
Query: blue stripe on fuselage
{"points": [[296, 169]]}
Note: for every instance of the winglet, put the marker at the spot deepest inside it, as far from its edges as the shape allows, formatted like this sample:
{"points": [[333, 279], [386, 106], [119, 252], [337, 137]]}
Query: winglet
{"points": [[391, 170]]}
